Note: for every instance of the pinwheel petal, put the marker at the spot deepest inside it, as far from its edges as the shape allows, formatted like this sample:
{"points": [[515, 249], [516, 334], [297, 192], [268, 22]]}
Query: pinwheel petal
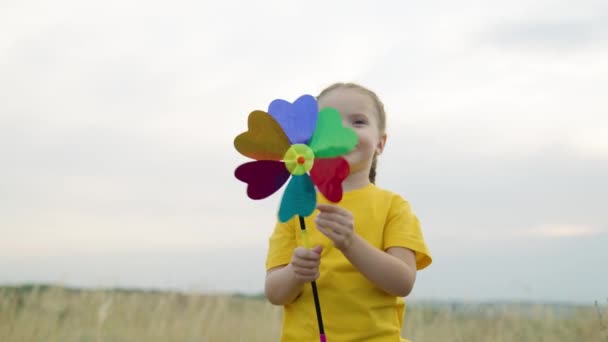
{"points": [[328, 175], [264, 140], [263, 177], [330, 138], [298, 119], [299, 198]]}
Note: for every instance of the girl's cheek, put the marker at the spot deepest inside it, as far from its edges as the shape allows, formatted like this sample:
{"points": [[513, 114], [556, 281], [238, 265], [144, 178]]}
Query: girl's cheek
{"points": [[348, 123]]}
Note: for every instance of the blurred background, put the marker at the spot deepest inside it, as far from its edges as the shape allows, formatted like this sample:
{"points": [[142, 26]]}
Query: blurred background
{"points": [[117, 120]]}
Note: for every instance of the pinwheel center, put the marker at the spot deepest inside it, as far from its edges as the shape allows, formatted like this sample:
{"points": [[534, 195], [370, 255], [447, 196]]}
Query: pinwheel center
{"points": [[299, 159]]}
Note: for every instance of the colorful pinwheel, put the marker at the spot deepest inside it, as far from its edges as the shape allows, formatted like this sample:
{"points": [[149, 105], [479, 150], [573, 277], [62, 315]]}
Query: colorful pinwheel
{"points": [[295, 140]]}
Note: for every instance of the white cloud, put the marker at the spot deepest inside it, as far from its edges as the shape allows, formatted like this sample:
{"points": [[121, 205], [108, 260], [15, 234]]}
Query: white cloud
{"points": [[563, 230]]}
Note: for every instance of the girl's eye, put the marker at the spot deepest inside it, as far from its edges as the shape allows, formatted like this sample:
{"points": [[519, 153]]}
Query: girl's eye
{"points": [[359, 122]]}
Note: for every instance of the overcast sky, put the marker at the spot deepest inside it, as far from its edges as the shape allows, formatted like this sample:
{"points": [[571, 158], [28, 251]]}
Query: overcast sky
{"points": [[117, 120]]}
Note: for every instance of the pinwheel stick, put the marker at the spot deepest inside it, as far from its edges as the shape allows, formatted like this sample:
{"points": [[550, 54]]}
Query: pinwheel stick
{"points": [[315, 293]]}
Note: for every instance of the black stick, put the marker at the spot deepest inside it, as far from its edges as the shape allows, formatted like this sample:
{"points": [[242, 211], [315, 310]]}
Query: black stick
{"points": [[314, 289]]}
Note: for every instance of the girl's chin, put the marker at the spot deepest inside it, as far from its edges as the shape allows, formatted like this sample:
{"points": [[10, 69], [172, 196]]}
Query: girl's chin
{"points": [[356, 166], [352, 160], [352, 156], [356, 157]]}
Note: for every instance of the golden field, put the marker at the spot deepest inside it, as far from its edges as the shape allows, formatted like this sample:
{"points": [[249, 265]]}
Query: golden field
{"points": [[60, 314]]}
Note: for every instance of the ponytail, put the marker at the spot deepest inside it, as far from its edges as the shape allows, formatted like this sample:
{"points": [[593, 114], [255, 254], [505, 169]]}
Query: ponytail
{"points": [[372, 170]]}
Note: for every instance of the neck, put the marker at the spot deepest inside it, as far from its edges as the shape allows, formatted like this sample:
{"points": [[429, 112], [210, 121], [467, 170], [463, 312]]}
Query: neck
{"points": [[356, 180]]}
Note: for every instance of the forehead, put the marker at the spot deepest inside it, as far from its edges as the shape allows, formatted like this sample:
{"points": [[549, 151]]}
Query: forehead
{"points": [[348, 101]]}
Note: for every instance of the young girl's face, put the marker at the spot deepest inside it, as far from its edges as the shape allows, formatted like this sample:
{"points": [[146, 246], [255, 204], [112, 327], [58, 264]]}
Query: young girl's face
{"points": [[359, 113]]}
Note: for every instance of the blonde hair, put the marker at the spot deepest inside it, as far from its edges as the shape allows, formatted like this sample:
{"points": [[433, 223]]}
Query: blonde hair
{"points": [[380, 113]]}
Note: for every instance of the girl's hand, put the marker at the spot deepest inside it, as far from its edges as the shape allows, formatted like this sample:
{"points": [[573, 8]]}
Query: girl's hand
{"points": [[337, 224], [305, 263]]}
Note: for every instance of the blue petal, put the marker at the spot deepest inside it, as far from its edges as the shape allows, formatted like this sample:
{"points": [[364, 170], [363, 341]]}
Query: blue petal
{"points": [[298, 120], [300, 198]]}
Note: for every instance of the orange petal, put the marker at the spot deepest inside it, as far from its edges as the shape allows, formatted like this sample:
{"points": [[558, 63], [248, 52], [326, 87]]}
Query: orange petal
{"points": [[265, 139]]}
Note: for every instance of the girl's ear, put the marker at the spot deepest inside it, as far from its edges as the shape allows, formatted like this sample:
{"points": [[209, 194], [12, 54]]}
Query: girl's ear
{"points": [[381, 143]]}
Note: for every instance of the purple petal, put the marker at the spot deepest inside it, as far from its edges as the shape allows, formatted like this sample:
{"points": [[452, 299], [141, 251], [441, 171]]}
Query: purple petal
{"points": [[264, 177], [298, 120]]}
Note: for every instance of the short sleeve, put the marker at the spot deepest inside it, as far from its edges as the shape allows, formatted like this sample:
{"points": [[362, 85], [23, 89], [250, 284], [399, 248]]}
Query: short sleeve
{"points": [[403, 230], [281, 244]]}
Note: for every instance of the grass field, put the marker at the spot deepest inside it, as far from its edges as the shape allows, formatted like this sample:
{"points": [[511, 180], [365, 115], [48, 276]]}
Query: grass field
{"points": [[30, 313]]}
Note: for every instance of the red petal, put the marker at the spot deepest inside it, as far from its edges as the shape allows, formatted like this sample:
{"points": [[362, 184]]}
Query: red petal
{"points": [[328, 175]]}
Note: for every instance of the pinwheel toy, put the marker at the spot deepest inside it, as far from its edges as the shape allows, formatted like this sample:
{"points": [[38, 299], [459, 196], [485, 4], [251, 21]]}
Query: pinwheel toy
{"points": [[296, 140]]}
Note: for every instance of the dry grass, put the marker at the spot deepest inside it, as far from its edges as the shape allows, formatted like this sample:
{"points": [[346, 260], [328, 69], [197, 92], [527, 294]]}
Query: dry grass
{"points": [[507, 322], [58, 314]]}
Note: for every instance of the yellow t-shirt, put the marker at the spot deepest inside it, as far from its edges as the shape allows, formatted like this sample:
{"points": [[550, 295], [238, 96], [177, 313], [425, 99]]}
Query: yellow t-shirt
{"points": [[353, 308]]}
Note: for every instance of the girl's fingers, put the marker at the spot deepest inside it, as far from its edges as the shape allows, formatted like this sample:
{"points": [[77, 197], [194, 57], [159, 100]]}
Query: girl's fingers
{"points": [[330, 233], [337, 227], [305, 263], [308, 278], [305, 254], [334, 209], [309, 273], [306, 274], [327, 225], [345, 221]]}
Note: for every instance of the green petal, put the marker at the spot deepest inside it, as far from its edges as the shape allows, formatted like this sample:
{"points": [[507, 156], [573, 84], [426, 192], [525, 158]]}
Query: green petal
{"points": [[330, 138]]}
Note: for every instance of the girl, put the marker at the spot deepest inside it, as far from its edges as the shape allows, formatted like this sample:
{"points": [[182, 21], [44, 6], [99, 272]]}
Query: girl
{"points": [[367, 248]]}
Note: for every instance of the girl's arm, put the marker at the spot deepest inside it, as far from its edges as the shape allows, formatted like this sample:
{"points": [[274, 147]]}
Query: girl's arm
{"points": [[281, 285], [284, 283], [393, 270]]}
